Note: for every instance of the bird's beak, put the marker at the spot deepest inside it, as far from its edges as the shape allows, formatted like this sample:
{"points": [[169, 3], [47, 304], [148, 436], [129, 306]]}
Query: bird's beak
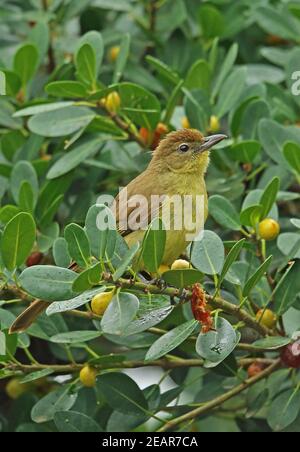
{"points": [[209, 142]]}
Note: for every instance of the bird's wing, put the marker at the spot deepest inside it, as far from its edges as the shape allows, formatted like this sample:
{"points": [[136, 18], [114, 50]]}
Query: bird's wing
{"points": [[133, 205]]}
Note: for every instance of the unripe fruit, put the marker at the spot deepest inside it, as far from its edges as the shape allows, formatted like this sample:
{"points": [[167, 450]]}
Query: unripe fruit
{"points": [[146, 135], [214, 125], [159, 132], [114, 53], [34, 259], [113, 102], [161, 129], [88, 376], [163, 269], [185, 123], [255, 369], [14, 389], [290, 355], [266, 318], [180, 264], [101, 302], [268, 229]]}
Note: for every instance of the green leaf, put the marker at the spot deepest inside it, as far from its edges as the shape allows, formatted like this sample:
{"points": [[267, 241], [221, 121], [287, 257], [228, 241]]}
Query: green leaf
{"points": [[34, 376], [83, 150], [171, 340], [278, 23], [61, 254], [208, 254], [291, 152], [23, 171], [225, 69], [59, 400], [286, 294], [216, 345], [126, 262], [73, 422], [272, 342], [26, 62], [78, 244], [231, 258], [140, 105], [246, 151], [101, 230], [231, 92], [199, 76], [289, 244], [269, 197], [284, 410], [95, 40], [183, 278], [26, 198], [163, 69], [85, 61], [211, 21], [153, 247], [173, 102], [120, 313], [122, 58], [121, 393], [88, 278], [75, 337], [254, 280], [273, 136], [48, 283], [224, 213], [251, 215], [67, 89], [18, 240], [62, 122], [42, 108], [75, 303], [148, 317]]}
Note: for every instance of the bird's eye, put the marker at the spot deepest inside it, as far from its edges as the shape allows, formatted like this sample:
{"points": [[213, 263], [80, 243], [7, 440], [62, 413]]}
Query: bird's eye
{"points": [[184, 148]]}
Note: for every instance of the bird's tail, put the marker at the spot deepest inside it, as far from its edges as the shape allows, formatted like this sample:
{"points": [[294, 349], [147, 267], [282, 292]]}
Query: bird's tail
{"points": [[27, 318]]}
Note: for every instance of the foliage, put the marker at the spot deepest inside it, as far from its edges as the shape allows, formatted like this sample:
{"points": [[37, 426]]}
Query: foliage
{"points": [[66, 137]]}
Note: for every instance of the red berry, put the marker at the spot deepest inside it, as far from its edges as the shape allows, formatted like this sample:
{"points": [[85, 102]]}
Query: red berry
{"points": [[290, 355], [34, 259]]}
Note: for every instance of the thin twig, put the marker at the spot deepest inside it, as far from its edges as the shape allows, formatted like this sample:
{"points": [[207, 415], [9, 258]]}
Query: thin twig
{"points": [[215, 403], [167, 364]]}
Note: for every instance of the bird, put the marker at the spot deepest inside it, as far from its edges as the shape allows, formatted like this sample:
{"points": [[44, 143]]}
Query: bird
{"points": [[177, 168]]}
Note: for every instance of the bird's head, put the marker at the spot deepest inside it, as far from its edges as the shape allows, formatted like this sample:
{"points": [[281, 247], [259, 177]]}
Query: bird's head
{"points": [[185, 151]]}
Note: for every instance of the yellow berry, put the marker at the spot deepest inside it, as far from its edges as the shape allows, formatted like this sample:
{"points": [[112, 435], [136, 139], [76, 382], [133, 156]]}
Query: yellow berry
{"points": [[14, 389], [101, 302], [114, 53], [88, 376], [181, 264], [269, 229], [163, 269], [266, 318], [185, 123], [214, 125], [113, 102]]}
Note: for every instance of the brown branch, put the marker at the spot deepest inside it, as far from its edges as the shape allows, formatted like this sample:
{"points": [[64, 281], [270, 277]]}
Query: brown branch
{"points": [[165, 363], [218, 302], [215, 403], [123, 125]]}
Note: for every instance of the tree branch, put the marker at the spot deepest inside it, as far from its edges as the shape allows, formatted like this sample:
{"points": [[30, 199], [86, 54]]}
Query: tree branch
{"points": [[165, 363], [215, 403]]}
